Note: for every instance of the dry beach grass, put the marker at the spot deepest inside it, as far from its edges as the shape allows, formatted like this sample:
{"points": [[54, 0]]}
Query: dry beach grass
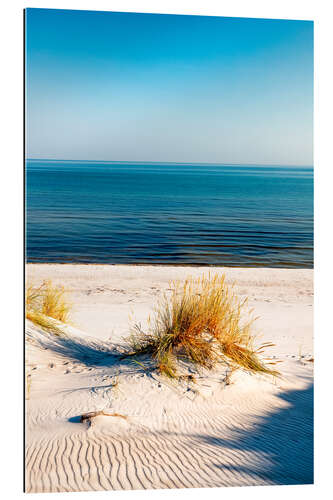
{"points": [[200, 322], [47, 305]]}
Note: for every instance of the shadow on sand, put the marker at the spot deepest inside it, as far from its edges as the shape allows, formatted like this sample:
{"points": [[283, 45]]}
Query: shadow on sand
{"points": [[90, 352], [281, 443]]}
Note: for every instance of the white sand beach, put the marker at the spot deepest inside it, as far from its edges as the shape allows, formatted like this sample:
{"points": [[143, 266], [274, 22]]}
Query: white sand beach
{"points": [[257, 430]]}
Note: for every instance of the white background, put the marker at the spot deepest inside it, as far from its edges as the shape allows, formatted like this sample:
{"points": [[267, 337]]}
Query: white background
{"points": [[11, 246]]}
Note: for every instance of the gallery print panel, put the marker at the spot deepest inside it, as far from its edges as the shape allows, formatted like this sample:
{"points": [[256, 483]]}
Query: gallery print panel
{"points": [[169, 251]]}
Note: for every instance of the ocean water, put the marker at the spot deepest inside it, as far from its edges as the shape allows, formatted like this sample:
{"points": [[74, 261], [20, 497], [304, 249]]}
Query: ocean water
{"points": [[232, 215]]}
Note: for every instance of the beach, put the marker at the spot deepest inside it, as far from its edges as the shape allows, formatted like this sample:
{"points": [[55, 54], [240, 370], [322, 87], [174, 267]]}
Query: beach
{"points": [[155, 433]]}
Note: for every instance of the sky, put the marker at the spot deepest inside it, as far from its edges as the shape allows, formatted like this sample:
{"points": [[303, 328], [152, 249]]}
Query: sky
{"points": [[110, 86]]}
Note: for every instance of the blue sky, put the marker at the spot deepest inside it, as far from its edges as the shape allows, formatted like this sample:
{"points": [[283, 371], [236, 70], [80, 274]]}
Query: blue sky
{"points": [[146, 87]]}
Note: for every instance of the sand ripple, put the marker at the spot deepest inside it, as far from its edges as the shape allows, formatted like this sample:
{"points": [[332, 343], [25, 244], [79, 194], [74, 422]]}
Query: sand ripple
{"points": [[253, 432]]}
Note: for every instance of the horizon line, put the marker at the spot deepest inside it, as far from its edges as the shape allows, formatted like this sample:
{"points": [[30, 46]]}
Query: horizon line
{"points": [[129, 162]]}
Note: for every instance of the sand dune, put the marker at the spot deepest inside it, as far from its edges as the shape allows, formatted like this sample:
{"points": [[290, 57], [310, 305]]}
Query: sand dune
{"points": [[160, 434]]}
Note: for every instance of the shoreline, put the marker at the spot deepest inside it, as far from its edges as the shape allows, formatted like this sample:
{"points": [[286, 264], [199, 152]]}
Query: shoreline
{"points": [[161, 264]]}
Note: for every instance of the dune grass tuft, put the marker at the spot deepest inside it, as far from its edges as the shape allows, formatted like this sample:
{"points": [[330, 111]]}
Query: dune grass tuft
{"points": [[46, 305], [201, 322]]}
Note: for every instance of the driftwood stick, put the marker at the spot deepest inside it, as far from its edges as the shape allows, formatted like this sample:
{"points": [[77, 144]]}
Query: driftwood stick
{"points": [[92, 414]]}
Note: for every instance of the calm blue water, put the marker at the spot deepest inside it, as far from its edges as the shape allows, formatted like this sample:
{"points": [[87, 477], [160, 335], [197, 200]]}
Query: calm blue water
{"points": [[169, 214]]}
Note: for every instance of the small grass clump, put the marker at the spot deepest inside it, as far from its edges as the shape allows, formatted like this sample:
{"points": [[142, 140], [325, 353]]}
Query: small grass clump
{"points": [[201, 322], [46, 305]]}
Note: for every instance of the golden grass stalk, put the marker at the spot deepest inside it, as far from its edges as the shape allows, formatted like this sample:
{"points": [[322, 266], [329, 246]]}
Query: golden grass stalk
{"points": [[201, 322], [46, 305], [28, 386], [45, 322]]}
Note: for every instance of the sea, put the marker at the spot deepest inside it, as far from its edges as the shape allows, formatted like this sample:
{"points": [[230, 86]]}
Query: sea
{"points": [[162, 213]]}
